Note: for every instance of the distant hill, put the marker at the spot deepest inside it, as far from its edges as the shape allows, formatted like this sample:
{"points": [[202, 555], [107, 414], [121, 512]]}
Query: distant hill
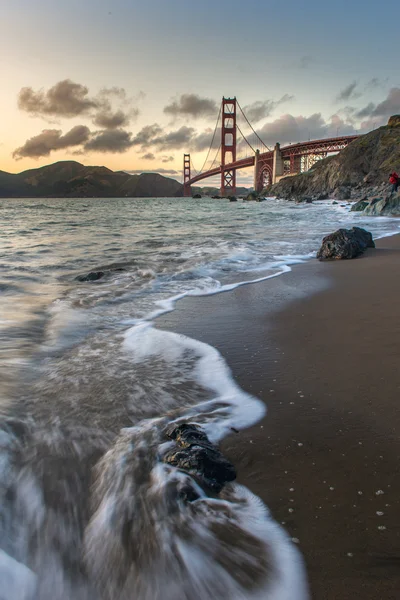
{"points": [[214, 191], [70, 179]]}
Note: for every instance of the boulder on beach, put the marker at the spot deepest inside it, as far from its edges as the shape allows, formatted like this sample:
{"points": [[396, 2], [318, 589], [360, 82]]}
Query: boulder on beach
{"points": [[345, 244], [195, 454]]}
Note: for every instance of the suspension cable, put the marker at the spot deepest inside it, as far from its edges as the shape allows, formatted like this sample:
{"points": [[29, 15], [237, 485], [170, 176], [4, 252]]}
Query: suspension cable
{"points": [[212, 141], [192, 165], [215, 158], [245, 139], [251, 127]]}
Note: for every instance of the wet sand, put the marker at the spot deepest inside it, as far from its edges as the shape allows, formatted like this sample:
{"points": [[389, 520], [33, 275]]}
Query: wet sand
{"points": [[321, 346]]}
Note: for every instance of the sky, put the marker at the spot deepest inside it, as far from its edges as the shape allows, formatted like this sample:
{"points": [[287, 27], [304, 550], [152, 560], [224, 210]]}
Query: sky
{"points": [[132, 85]]}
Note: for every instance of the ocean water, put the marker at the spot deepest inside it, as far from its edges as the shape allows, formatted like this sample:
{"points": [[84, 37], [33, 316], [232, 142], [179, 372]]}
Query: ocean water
{"points": [[88, 386]]}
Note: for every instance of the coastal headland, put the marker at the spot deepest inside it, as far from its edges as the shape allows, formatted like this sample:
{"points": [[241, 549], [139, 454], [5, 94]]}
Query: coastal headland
{"points": [[360, 172], [320, 346]]}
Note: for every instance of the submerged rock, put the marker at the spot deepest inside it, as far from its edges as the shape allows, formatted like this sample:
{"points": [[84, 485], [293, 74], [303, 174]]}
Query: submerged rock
{"points": [[195, 454], [251, 196], [232, 198], [92, 276], [345, 244], [196, 196], [360, 205]]}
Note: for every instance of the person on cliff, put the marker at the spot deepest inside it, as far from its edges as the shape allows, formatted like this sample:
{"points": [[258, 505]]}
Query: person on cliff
{"points": [[394, 180]]}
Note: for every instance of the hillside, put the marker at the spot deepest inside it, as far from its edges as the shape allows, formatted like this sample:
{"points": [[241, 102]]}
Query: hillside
{"points": [[366, 163], [68, 179], [215, 191]]}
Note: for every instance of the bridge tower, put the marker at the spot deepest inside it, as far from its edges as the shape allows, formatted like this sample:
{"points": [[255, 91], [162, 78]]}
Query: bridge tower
{"points": [[186, 176], [228, 146]]}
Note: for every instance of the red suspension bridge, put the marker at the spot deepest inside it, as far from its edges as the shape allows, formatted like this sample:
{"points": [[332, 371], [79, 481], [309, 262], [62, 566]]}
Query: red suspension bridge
{"points": [[231, 149]]}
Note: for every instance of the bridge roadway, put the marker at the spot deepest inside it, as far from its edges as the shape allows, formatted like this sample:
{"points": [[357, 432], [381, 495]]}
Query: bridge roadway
{"points": [[266, 159]]}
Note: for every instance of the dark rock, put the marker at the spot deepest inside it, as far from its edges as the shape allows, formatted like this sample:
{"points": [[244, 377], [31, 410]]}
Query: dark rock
{"points": [[232, 198], [251, 196], [334, 202], [92, 276], [216, 197], [186, 435], [195, 454], [345, 244], [360, 205], [388, 206], [196, 196], [308, 201], [342, 192]]}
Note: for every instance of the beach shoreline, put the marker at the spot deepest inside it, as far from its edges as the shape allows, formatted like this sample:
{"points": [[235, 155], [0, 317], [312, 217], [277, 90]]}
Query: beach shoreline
{"points": [[320, 347]]}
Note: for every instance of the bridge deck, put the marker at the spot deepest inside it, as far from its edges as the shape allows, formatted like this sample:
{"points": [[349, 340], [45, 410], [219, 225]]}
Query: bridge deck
{"points": [[311, 147]]}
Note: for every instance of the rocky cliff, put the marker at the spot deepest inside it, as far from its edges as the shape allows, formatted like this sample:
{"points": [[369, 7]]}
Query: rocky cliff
{"points": [[68, 179], [362, 168]]}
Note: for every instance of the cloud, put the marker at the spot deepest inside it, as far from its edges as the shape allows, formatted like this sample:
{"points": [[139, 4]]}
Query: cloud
{"points": [[366, 111], [259, 110], [167, 159], [174, 140], [112, 140], [201, 141], [348, 92], [147, 134], [289, 129], [304, 62], [67, 99], [166, 141], [192, 105], [109, 120], [386, 108], [52, 139], [154, 135], [64, 99], [373, 83], [148, 156], [112, 92]]}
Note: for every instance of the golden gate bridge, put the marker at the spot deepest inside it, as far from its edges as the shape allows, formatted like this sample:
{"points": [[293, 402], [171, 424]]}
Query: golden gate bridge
{"points": [[229, 143]]}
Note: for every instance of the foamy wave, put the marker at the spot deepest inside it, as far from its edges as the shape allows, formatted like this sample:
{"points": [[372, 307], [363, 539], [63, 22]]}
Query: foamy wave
{"points": [[155, 534], [229, 405]]}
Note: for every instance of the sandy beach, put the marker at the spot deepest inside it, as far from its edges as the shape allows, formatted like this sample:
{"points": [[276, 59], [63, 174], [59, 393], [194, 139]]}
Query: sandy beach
{"points": [[321, 347]]}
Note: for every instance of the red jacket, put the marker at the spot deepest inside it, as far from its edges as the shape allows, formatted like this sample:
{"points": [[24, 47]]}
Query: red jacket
{"points": [[394, 178]]}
